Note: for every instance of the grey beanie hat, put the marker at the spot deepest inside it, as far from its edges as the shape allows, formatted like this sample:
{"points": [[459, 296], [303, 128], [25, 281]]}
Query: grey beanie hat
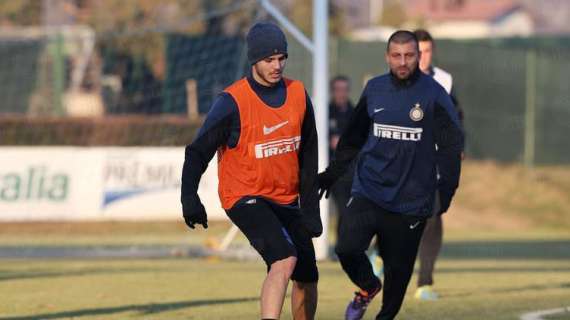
{"points": [[265, 39]]}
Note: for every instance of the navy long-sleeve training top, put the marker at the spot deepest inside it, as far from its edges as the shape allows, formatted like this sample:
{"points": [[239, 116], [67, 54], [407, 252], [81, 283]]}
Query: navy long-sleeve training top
{"points": [[393, 133], [222, 127]]}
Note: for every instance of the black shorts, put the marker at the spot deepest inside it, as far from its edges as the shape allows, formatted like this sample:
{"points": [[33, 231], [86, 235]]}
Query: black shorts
{"points": [[271, 231]]}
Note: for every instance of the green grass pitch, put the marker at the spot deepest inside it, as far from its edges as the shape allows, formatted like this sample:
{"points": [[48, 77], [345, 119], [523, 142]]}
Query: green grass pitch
{"points": [[182, 288]]}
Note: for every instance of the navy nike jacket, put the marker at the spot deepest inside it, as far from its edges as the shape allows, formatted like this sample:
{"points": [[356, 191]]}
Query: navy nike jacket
{"points": [[402, 132]]}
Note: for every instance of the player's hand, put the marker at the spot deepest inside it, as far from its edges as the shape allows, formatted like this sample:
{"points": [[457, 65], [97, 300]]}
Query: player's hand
{"points": [[198, 217], [444, 202], [310, 227], [437, 203], [326, 181], [194, 212]]}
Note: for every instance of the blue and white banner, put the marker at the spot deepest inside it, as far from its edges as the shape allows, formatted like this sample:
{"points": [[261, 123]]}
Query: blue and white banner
{"points": [[115, 183]]}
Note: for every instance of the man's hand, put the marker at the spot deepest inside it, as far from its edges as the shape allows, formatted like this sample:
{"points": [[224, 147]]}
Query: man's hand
{"points": [[444, 201], [194, 213], [326, 181], [309, 226], [437, 204]]}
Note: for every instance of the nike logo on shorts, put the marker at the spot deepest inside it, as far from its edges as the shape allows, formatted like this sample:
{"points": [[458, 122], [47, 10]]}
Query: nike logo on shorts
{"points": [[378, 110], [268, 130], [413, 226]]}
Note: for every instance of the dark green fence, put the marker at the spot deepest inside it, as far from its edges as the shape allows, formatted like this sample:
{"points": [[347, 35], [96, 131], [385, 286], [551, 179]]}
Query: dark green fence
{"points": [[515, 92], [19, 70]]}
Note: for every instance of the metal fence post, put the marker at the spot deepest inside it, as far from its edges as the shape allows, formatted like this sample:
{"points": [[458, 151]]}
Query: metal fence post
{"points": [[530, 110], [58, 73]]}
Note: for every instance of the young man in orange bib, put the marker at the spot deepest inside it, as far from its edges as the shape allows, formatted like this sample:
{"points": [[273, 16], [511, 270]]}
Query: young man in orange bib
{"points": [[263, 128]]}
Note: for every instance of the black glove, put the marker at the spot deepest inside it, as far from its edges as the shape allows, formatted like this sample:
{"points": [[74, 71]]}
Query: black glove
{"points": [[309, 223], [307, 227], [326, 181], [194, 212], [437, 204], [444, 201]]}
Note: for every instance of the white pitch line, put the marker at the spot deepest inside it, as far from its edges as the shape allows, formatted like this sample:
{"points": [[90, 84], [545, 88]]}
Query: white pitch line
{"points": [[538, 315]]}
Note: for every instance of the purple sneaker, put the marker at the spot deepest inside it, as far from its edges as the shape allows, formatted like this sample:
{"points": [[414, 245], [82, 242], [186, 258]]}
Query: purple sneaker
{"points": [[357, 307]]}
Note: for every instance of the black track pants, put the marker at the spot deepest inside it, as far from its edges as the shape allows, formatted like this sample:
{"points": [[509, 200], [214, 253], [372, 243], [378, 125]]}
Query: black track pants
{"points": [[398, 236]]}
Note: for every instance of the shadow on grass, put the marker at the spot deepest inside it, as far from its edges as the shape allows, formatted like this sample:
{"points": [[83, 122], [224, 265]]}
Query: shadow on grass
{"points": [[532, 288], [500, 269], [142, 309], [516, 249], [36, 274]]}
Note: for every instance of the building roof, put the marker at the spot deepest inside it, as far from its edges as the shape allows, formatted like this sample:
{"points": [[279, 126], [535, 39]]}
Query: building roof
{"points": [[445, 10]]}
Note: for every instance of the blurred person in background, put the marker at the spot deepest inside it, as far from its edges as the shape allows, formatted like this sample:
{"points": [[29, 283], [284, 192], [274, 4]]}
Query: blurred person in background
{"points": [[432, 238], [399, 119], [263, 128], [340, 112]]}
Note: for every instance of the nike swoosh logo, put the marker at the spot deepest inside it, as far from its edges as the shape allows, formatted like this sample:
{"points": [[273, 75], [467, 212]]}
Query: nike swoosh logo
{"points": [[378, 110], [413, 226], [268, 130]]}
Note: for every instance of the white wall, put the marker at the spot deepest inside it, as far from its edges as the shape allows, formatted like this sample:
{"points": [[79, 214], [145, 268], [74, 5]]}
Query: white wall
{"points": [[517, 24], [464, 29]]}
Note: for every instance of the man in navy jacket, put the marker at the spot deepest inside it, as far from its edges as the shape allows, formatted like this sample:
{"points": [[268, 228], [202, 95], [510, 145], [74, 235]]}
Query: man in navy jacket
{"points": [[398, 121]]}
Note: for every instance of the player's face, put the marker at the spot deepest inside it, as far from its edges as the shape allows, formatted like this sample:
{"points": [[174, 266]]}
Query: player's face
{"points": [[340, 91], [402, 58], [269, 71], [426, 49]]}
